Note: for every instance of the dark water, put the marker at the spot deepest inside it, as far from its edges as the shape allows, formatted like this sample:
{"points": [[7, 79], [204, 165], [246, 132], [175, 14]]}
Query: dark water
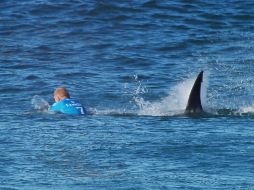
{"points": [[132, 65]]}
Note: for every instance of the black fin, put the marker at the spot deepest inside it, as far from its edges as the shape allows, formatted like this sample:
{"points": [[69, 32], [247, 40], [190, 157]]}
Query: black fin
{"points": [[194, 103]]}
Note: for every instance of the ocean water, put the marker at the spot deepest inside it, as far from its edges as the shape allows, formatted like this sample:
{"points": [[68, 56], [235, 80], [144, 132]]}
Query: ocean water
{"points": [[132, 64]]}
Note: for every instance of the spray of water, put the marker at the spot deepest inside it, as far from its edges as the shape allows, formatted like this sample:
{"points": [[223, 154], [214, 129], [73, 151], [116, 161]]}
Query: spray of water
{"points": [[249, 110], [174, 103], [39, 103]]}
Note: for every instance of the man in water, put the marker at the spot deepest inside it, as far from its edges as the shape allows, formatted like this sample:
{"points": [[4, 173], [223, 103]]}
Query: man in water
{"points": [[65, 104]]}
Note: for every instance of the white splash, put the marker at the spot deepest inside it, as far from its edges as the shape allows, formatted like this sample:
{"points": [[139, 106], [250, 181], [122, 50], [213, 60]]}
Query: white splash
{"points": [[174, 103], [246, 109], [39, 103]]}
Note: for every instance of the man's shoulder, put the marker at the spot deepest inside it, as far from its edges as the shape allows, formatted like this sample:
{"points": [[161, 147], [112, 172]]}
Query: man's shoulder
{"points": [[73, 106]]}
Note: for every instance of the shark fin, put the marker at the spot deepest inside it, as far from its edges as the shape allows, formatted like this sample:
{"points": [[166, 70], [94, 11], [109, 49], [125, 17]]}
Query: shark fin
{"points": [[194, 103]]}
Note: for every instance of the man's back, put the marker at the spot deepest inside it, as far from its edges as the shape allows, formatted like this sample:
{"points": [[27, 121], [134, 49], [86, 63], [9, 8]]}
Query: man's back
{"points": [[68, 106]]}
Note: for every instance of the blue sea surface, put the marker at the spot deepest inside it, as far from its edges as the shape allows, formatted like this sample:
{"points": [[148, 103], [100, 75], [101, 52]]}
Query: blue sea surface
{"points": [[132, 64]]}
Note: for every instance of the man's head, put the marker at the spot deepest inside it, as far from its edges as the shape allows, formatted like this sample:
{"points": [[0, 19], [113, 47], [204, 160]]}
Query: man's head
{"points": [[61, 93]]}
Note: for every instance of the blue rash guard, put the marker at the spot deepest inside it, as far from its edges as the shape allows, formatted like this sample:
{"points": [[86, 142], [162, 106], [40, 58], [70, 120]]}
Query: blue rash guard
{"points": [[68, 106]]}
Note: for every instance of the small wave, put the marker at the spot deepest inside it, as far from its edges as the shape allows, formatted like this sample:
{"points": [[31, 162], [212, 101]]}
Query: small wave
{"points": [[243, 17], [173, 47], [46, 9], [12, 90], [22, 66], [111, 112], [31, 77], [111, 8], [173, 7]]}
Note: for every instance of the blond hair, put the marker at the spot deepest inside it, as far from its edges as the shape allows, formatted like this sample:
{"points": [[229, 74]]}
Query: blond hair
{"points": [[62, 92]]}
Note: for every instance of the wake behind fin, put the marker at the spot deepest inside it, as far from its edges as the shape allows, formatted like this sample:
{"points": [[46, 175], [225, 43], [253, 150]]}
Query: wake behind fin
{"points": [[194, 103]]}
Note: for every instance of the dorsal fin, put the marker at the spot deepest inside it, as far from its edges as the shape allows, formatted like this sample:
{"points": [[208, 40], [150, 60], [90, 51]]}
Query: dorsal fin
{"points": [[194, 103]]}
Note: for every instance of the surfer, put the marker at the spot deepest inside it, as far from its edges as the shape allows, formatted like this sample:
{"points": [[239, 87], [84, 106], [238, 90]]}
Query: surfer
{"points": [[65, 104]]}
